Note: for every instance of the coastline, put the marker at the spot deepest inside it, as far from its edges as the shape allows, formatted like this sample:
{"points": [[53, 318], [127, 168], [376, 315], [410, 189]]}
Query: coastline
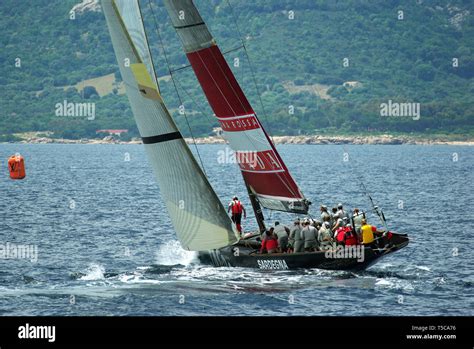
{"points": [[311, 140]]}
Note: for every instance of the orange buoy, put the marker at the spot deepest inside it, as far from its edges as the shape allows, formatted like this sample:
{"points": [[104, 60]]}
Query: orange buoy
{"points": [[16, 166]]}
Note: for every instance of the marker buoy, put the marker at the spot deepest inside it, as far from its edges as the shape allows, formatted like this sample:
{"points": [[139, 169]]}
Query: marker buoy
{"points": [[16, 166]]}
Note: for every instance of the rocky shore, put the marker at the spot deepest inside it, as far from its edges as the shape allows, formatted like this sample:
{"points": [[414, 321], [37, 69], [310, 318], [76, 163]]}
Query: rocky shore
{"points": [[380, 139], [319, 139]]}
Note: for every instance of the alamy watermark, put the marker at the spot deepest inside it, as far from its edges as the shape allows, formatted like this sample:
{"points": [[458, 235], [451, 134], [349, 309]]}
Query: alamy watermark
{"points": [[400, 109], [228, 156], [352, 251], [75, 109], [37, 332], [16, 251]]}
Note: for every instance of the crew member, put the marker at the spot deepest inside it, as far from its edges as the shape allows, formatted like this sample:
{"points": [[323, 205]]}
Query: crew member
{"points": [[325, 237], [334, 216], [368, 232], [357, 218], [325, 217], [346, 236], [296, 237], [309, 235], [280, 229], [236, 208], [339, 224], [282, 232], [269, 243]]}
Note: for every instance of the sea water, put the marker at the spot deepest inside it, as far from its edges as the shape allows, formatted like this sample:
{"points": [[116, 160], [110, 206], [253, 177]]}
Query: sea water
{"points": [[105, 244]]}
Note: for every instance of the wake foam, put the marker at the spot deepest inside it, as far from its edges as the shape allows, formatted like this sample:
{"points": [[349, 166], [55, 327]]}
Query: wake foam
{"points": [[171, 253], [94, 272]]}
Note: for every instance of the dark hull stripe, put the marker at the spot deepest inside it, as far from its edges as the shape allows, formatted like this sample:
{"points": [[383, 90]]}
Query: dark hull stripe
{"points": [[162, 138]]}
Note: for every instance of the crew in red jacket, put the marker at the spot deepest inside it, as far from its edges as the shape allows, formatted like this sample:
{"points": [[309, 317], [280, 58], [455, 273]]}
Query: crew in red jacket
{"points": [[346, 236], [236, 207], [269, 243]]}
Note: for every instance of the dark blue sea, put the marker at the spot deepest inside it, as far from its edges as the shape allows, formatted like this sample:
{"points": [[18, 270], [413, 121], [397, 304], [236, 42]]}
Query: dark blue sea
{"points": [[105, 244]]}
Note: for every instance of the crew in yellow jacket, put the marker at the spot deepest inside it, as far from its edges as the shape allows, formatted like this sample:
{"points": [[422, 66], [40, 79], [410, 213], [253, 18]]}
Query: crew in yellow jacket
{"points": [[367, 232]]}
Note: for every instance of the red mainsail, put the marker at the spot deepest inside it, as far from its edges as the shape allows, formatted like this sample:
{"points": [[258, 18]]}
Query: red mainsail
{"points": [[262, 167]]}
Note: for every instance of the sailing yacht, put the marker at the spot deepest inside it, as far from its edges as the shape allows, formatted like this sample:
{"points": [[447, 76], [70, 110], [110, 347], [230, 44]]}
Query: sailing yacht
{"points": [[199, 218]]}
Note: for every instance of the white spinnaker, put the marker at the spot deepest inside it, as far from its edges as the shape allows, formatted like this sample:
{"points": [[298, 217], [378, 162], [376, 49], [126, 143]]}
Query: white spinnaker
{"points": [[198, 217]]}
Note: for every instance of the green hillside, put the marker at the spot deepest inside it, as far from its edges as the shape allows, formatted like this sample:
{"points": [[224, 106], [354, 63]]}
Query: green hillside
{"points": [[320, 65]]}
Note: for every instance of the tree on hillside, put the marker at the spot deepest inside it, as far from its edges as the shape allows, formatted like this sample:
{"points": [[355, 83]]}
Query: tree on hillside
{"points": [[425, 72], [89, 91]]}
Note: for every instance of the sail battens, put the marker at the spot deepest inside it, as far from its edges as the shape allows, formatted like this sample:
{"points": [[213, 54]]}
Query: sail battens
{"points": [[162, 138], [227, 118], [218, 82], [198, 217], [263, 169], [189, 25], [258, 171]]}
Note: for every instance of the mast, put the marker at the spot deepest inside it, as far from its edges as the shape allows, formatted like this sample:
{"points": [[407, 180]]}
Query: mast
{"points": [[198, 217], [257, 209], [263, 169]]}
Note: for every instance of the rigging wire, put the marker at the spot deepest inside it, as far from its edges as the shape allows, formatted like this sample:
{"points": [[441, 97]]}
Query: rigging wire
{"points": [[359, 178], [171, 72], [254, 79], [252, 72], [282, 179], [174, 84], [201, 109], [189, 65], [364, 187]]}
